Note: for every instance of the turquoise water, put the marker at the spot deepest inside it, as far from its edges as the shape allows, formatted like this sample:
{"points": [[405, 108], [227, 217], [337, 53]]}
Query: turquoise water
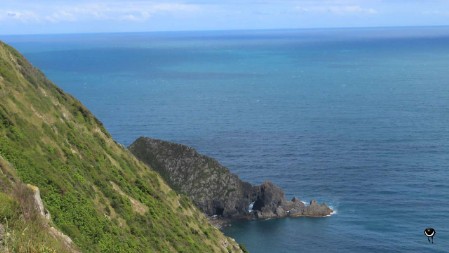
{"points": [[357, 118]]}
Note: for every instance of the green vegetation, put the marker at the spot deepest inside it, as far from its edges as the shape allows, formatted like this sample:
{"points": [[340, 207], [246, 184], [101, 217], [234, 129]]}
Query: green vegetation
{"points": [[22, 228], [95, 190]]}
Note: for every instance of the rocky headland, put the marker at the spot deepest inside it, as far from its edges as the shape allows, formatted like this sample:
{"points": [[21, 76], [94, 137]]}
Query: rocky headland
{"points": [[214, 189]]}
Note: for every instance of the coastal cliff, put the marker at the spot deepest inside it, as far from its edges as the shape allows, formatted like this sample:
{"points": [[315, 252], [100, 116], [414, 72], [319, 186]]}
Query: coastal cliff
{"points": [[100, 197], [214, 189]]}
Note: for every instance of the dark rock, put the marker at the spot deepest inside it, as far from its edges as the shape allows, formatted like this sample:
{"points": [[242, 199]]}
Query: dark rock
{"points": [[213, 188], [317, 210], [268, 195], [269, 201], [280, 212]]}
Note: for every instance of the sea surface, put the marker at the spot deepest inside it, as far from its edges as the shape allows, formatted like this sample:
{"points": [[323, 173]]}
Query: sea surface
{"points": [[356, 118]]}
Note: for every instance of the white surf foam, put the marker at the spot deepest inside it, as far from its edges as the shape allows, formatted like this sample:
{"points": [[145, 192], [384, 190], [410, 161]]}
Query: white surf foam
{"points": [[334, 211]]}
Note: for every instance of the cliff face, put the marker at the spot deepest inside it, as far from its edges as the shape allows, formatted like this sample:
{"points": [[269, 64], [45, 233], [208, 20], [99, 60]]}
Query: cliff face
{"points": [[213, 188], [97, 193]]}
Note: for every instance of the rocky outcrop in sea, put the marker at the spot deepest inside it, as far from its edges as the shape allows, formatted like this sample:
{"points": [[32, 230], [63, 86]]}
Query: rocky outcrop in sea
{"points": [[271, 203], [214, 189]]}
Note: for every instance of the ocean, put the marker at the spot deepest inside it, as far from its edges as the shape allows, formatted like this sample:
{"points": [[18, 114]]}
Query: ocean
{"points": [[357, 118]]}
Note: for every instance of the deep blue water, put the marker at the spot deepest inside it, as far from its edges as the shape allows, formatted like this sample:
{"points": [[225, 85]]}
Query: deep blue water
{"points": [[357, 118]]}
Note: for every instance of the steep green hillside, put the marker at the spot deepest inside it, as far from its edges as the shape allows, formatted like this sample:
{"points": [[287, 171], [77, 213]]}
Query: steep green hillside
{"points": [[22, 227], [95, 190]]}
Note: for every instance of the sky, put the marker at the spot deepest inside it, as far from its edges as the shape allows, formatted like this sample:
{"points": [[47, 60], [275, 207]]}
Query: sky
{"points": [[97, 16]]}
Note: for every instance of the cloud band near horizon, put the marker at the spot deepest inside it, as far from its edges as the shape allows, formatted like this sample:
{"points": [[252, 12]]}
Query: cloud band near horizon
{"points": [[49, 16]]}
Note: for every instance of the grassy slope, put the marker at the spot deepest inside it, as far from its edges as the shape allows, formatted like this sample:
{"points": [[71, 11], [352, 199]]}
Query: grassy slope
{"points": [[23, 229], [96, 191]]}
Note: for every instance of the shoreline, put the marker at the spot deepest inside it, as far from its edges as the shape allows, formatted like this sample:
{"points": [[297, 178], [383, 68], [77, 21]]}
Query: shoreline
{"points": [[221, 223]]}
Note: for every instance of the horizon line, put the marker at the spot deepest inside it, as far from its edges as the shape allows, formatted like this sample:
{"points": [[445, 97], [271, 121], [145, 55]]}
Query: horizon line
{"points": [[230, 30]]}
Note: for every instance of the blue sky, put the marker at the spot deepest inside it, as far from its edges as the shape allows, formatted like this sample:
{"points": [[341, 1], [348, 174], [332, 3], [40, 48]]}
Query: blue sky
{"points": [[80, 16]]}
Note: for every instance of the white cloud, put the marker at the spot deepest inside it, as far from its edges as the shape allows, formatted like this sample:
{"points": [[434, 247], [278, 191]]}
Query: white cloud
{"points": [[336, 9], [128, 10], [144, 12], [436, 12], [21, 16], [61, 15]]}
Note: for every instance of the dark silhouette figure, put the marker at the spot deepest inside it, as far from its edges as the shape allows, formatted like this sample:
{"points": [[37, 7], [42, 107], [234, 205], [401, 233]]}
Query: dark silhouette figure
{"points": [[430, 233]]}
